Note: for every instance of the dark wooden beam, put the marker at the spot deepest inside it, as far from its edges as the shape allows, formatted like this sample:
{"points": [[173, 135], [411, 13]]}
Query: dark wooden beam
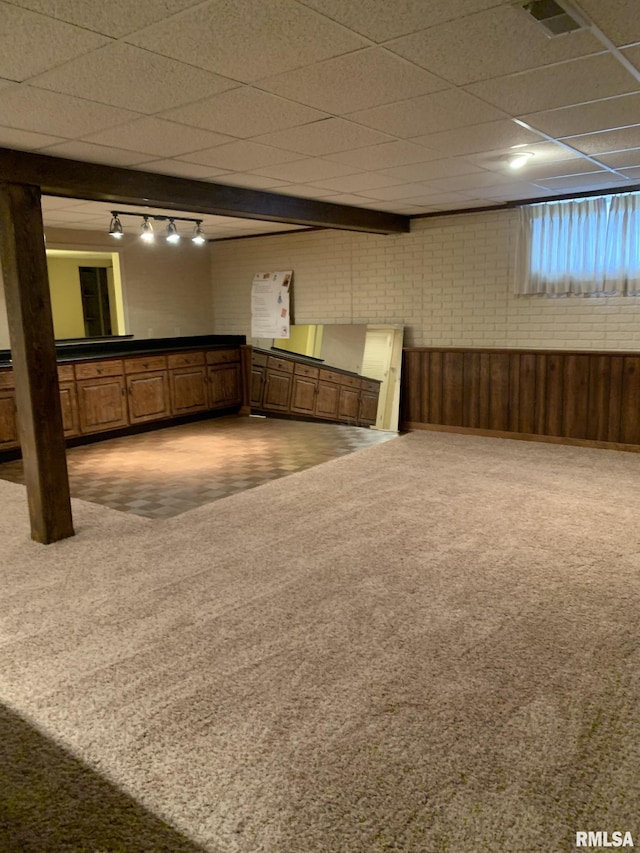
{"points": [[33, 354], [94, 182]]}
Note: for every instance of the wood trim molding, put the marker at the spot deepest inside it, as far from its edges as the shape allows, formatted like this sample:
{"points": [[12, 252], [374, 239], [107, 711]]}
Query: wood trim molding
{"points": [[95, 182]]}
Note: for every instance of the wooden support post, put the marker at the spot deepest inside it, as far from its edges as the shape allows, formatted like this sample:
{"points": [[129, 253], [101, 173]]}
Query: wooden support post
{"points": [[33, 354]]}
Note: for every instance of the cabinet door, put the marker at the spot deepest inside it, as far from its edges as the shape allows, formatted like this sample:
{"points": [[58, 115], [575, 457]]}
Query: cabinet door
{"points": [[303, 396], [349, 405], [224, 386], [102, 404], [256, 393], [69, 405], [368, 407], [277, 391], [328, 400], [8, 421], [188, 390], [148, 396]]}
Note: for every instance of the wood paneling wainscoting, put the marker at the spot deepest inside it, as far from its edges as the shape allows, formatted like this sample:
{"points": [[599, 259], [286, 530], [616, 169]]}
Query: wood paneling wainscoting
{"points": [[588, 398]]}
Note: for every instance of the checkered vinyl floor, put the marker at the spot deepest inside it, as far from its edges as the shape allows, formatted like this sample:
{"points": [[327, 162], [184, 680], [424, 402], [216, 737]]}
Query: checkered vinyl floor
{"points": [[163, 473]]}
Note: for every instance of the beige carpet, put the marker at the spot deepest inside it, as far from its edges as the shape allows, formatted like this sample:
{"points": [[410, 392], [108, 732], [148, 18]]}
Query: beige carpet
{"points": [[429, 646]]}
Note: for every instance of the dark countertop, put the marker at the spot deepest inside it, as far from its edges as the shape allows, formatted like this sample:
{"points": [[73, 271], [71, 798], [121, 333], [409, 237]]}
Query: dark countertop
{"points": [[128, 346]]}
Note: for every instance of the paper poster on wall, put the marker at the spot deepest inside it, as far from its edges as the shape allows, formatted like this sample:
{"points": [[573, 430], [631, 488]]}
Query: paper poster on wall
{"points": [[270, 300]]}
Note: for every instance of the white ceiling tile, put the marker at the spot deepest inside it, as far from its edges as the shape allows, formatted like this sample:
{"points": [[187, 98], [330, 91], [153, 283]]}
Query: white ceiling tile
{"points": [[574, 166], [543, 153], [180, 169], [91, 153], [432, 169], [32, 109], [594, 181], [464, 183], [587, 118], [31, 43], [249, 40], [242, 155], [512, 192], [305, 171], [633, 174], [438, 199], [488, 136], [156, 136], [621, 160], [358, 183], [386, 155], [618, 19], [428, 114], [398, 193], [606, 141], [492, 43], [24, 140], [126, 76], [115, 18], [324, 137], [574, 82], [380, 20], [254, 182], [375, 77], [244, 112]]}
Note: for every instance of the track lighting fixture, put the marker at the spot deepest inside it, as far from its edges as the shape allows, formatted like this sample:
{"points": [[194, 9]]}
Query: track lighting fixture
{"points": [[147, 233], [115, 228], [172, 232], [198, 234]]}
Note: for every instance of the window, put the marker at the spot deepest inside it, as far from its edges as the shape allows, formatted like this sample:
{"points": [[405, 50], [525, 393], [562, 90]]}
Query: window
{"points": [[588, 247]]}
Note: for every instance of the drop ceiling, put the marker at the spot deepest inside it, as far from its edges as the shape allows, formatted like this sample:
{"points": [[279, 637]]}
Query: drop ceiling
{"points": [[410, 107]]}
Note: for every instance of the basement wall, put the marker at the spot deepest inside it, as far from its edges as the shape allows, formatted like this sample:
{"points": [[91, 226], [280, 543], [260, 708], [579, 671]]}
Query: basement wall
{"points": [[449, 282]]}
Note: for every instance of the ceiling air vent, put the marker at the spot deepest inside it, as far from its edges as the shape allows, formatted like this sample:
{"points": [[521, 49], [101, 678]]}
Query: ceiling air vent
{"points": [[554, 18]]}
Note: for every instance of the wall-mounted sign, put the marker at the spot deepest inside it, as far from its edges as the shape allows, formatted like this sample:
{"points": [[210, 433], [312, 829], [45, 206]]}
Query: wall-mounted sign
{"points": [[270, 299]]}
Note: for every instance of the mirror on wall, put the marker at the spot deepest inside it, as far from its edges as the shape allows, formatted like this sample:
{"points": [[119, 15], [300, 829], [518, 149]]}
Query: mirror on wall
{"points": [[372, 350], [86, 294]]}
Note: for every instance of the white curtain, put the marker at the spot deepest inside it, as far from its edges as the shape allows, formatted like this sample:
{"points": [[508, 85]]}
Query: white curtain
{"points": [[622, 253], [588, 247]]}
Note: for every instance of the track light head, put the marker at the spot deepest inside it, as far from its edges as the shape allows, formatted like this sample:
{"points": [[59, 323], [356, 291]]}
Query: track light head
{"points": [[172, 232], [198, 234], [147, 230], [115, 228]]}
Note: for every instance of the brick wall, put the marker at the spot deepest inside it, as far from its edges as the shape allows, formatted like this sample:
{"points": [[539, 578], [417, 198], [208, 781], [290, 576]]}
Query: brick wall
{"points": [[450, 282]]}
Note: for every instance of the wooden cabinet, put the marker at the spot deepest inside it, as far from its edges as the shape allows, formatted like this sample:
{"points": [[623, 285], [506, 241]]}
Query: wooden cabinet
{"points": [[187, 382], [369, 393], [102, 404], [278, 384], [103, 394], [224, 380], [8, 421], [147, 384], [294, 387], [304, 389]]}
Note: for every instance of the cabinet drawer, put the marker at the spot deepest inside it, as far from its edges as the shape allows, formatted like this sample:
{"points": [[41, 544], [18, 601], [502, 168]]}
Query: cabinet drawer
{"points": [[94, 369], [370, 385], [330, 375], [306, 370], [281, 364], [223, 356], [185, 359], [145, 363], [259, 359], [65, 373], [350, 381], [6, 379]]}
